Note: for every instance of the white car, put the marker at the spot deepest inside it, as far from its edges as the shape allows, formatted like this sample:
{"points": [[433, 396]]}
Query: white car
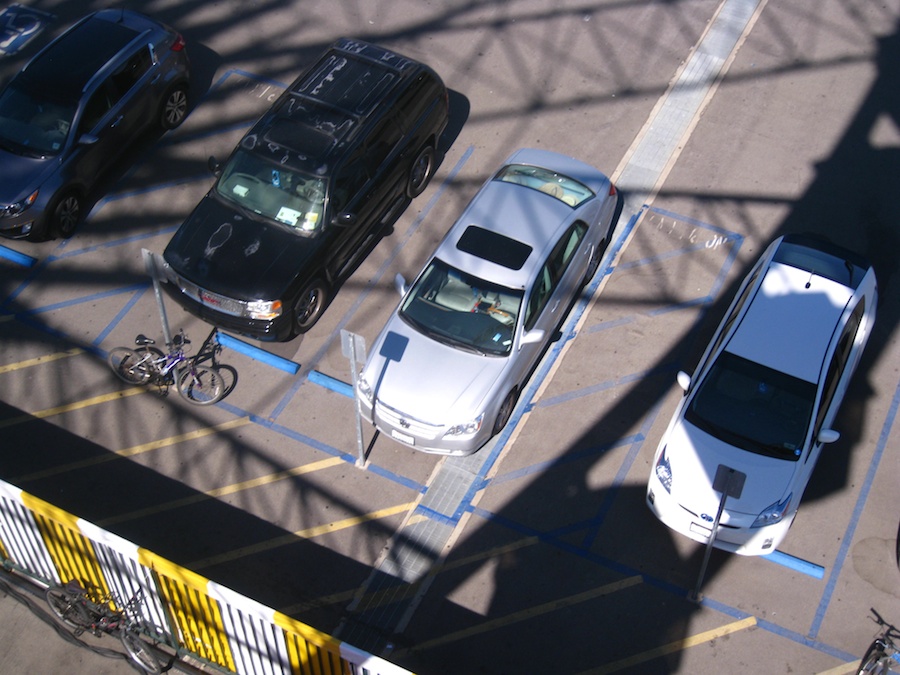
{"points": [[445, 373], [764, 397]]}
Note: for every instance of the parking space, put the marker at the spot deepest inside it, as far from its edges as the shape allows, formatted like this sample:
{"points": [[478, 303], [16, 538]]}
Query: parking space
{"points": [[538, 553]]}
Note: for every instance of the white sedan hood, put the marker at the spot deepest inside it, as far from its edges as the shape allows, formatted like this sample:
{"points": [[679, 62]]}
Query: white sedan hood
{"points": [[694, 457], [429, 381]]}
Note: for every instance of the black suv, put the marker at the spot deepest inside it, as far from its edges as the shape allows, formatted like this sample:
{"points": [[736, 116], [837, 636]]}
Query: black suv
{"points": [[308, 191], [76, 107]]}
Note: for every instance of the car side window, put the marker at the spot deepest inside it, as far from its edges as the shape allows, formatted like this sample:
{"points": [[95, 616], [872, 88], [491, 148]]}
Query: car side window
{"points": [[553, 271], [381, 142], [415, 100], [132, 71], [838, 362], [738, 306], [100, 103], [349, 180]]}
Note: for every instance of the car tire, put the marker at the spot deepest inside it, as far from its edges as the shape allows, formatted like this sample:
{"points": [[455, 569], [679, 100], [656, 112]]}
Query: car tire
{"points": [[174, 107], [506, 410], [420, 172], [309, 306], [65, 215]]}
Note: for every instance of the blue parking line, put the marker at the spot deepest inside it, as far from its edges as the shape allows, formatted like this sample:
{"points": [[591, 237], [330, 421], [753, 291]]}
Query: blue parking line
{"points": [[258, 354], [330, 383], [857, 514], [17, 257], [83, 299], [796, 564]]}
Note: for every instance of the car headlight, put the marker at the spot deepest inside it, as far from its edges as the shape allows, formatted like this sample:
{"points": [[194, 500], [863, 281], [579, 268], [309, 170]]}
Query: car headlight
{"points": [[466, 429], [362, 386], [264, 309], [20, 206], [773, 513], [664, 471]]}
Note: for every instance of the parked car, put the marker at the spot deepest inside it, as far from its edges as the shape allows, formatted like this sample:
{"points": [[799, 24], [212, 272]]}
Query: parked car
{"points": [[75, 108], [446, 371], [308, 191], [764, 397]]}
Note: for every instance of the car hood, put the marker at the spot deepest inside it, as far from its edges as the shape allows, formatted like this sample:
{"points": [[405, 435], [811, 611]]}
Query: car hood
{"points": [[694, 457], [224, 251], [20, 175], [427, 380]]}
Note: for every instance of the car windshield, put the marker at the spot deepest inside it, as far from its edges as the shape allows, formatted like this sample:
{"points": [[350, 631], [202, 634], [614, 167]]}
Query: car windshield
{"points": [[464, 311], [31, 126], [753, 407], [274, 191], [565, 189]]}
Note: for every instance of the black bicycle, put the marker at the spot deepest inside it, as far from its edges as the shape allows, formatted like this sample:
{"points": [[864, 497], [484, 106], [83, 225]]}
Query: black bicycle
{"points": [[74, 608], [883, 654], [145, 365]]}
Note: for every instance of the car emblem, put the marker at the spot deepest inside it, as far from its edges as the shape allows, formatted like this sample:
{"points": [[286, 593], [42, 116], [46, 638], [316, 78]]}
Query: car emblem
{"points": [[404, 423], [708, 518]]}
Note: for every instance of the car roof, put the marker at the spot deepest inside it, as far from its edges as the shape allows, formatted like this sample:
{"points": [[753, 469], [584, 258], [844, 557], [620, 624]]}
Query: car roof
{"points": [[66, 65], [319, 111], [790, 321], [521, 213]]}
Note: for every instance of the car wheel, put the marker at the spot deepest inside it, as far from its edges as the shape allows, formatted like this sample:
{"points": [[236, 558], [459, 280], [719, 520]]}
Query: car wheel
{"points": [[309, 306], [65, 215], [420, 172], [174, 107], [505, 412]]}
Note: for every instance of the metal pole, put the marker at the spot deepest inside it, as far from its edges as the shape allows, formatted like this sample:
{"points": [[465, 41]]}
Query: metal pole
{"points": [[361, 458], [150, 266]]}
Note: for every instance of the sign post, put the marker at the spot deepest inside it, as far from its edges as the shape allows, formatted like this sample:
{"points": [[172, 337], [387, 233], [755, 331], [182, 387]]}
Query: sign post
{"points": [[730, 483], [353, 346], [150, 264]]}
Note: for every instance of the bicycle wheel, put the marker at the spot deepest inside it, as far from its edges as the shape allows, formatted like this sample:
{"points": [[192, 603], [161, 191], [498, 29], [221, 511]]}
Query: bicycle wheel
{"points": [[68, 608], [229, 377], [200, 385], [134, 366], [140, 652], [872, 663]]}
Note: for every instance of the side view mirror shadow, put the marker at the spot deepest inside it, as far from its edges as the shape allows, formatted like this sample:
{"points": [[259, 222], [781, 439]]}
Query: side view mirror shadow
{"points": [[828, 436], [532, 337], [213, 164], [683, 380], [344, 219], [400, 284]]}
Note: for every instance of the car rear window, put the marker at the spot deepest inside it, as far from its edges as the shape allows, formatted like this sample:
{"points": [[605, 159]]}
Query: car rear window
{"points": [[820, 262], [349, 84], [494, 247]]}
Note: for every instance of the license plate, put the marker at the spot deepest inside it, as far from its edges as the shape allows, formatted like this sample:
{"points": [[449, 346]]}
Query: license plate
{"points": [[697, 528], [405, 438]]}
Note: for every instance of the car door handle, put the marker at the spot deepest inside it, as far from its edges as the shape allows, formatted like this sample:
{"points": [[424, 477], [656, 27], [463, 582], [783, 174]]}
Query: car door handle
{"points": [[117, 121], [555, 306]]}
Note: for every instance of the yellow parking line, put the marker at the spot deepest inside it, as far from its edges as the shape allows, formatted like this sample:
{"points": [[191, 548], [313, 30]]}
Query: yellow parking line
{"points": [[40, 360], [843, 669], [672, 647], [300, 534], [78, 405], [532, 612], [135, 450], [222, 491]]}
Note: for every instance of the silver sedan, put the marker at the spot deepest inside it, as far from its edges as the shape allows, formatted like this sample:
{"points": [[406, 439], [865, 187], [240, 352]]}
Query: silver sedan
{"points": [[446, 371]]}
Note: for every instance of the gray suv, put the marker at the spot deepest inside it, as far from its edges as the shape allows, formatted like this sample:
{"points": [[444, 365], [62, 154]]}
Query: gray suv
{"points": [[75, 108]]}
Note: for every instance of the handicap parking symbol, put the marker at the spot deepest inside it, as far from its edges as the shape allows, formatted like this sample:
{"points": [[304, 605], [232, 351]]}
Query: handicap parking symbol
{"points": [[18, 25]]}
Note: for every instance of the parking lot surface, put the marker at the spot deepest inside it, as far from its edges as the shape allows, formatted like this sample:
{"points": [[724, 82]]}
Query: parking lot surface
{"points": [[723, 124]]}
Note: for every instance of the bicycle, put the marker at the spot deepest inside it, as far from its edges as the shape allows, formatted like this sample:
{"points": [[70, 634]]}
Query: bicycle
{"points": [[146, 365], [883, 655], [209, 351], [72, 606]]}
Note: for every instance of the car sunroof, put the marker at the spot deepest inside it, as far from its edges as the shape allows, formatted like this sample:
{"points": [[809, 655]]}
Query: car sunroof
{"points": [[493, 247]]}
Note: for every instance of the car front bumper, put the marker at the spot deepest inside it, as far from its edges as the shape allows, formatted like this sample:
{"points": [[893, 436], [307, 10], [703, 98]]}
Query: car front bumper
{"points": [[733, 535]]}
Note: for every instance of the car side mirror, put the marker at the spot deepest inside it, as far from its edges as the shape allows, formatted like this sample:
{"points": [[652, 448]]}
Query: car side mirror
{"points": [[532, 337], [344, 219], [400, 284], [683, 380], [213, 165], [828, 436], [87, 139]]}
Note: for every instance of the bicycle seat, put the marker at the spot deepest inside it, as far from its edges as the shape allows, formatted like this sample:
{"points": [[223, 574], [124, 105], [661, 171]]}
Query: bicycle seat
{"points": [[142, 339]]}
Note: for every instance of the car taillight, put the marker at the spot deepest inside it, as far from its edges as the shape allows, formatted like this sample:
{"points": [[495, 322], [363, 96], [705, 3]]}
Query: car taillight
{"points": [[178, 45], [612, 190]]}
